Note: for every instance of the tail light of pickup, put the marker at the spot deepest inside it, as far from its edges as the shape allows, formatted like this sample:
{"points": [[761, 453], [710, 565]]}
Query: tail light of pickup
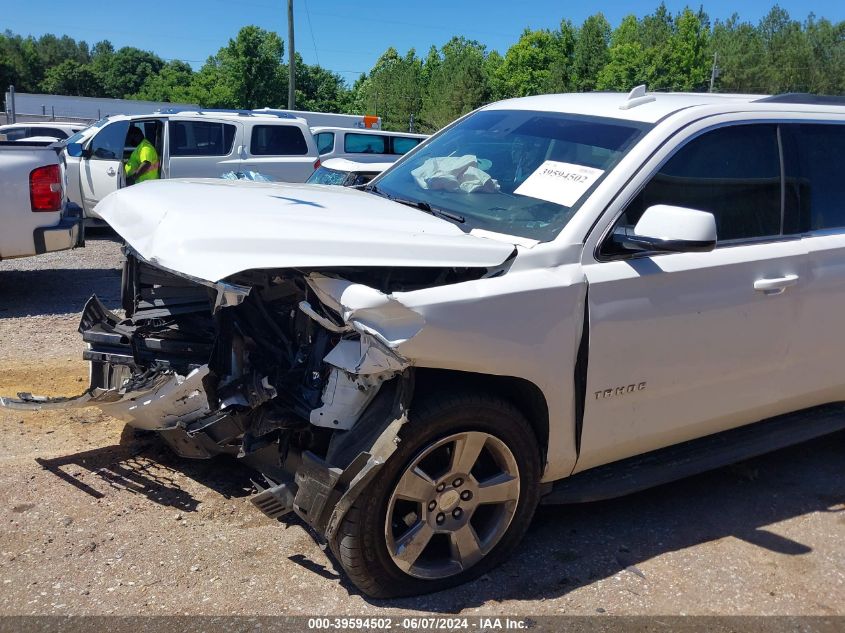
{"points": [[45, 188]]}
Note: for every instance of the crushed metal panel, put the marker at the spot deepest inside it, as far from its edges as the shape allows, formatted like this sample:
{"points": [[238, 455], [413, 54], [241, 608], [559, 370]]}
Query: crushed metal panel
{"points": [[368, 310], [344, 400], [359, 368], [168, 399]]}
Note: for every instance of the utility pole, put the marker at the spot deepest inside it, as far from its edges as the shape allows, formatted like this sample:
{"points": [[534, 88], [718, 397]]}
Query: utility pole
{"points": [[11, 104], [715, 71], [291, 62]]}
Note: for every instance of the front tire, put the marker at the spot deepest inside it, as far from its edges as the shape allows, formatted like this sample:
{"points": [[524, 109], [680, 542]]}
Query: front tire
{"points": [[451, 503]]}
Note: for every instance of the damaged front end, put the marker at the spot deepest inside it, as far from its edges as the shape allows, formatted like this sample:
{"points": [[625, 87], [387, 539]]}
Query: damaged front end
{"points": [[265, 366]]}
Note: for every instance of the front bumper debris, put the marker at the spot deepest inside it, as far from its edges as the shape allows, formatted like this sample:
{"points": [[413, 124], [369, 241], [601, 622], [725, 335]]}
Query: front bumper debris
{"points": [[252, 371]]}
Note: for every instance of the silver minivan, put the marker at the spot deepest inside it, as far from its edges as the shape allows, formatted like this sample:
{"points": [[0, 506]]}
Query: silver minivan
{"points": [[190, 144]]}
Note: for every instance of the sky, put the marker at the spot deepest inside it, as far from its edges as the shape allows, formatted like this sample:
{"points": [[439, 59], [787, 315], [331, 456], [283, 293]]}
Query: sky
{"points": [[344, 36]]}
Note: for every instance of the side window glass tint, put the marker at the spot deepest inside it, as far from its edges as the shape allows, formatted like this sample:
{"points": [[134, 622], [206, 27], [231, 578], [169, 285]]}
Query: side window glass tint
{"points": [[201, 138], [732, 172], [49, 131], [325, 142], [365, 144], [403, 145], [109, 142], [277, 140], [16, 134], [815, 180]]}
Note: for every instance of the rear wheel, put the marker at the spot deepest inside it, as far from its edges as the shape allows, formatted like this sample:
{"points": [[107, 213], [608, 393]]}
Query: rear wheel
{"points": [[450, 504]]}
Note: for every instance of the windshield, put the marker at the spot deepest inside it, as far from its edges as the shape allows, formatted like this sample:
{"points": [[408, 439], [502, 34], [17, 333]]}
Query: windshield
{"points": [[326, 176], [84, 133], [522, 173]]}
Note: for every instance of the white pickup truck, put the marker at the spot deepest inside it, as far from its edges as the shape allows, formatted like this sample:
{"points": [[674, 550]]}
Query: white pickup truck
{"points": [[556, 298], [34, 217]]}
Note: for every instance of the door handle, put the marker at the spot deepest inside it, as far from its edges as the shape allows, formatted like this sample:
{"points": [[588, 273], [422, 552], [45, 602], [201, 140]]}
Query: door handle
{"points": [[775, 286], [110, 171]]}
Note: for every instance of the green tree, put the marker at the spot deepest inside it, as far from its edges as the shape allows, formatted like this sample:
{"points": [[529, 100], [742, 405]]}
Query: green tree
{"points": [[688, 58], [318, 89], [591, 52], [561, 76], [251, 63], [122, 73], [527, 65], [71, 78], [627, 64], [455, 84], [740, 55], [211, 88], [392, 89], [788, 54], [826, 42], [171, 83]]}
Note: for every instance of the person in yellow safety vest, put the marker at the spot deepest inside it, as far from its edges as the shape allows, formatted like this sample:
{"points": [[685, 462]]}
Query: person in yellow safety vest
{"points": [[143, 163]]}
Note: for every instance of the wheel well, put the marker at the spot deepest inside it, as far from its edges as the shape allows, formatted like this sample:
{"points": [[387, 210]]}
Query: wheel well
{"points": [[523, 394]]}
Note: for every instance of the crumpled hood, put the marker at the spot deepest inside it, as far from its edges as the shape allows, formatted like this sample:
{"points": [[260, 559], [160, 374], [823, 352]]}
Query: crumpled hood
{"points": [[213, 228]]}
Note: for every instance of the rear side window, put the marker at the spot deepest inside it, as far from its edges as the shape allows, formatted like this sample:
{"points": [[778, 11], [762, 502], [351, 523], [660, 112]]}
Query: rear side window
{"points": [[325, 142], [278, 140], [201, 138], [48, 131], [16, 134], [815, 181], [732, 172], [365, 144], [402, 145]]}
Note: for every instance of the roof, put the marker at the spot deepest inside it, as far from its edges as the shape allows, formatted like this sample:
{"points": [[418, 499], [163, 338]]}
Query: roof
{"points": [[213, 114], [58, 124], [334, 128], [650, 108]]}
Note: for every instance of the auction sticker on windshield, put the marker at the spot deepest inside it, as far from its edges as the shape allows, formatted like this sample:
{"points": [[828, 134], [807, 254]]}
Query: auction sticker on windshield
{"points": [[561, 183]]}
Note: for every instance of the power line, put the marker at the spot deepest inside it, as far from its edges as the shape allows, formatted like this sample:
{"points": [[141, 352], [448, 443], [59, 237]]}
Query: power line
{"points": [[310, 28]]}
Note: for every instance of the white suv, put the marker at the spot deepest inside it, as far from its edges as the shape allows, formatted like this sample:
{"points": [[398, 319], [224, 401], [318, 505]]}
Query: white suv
{"points": [[556, 298], [190, 143]]}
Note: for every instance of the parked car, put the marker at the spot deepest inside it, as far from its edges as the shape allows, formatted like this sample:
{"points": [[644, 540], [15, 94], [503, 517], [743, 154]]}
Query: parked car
{"points": [[556, 298], [190, 143], [34, 218], [58, 130], [364, 145], [344, 172]]}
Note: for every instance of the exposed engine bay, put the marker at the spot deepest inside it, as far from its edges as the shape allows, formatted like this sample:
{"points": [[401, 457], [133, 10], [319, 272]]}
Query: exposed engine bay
{"points": [[265, 366]]}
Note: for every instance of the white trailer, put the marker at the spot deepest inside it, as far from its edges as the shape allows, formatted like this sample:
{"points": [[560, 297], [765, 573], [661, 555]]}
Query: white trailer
{"points": [[330, 119]]}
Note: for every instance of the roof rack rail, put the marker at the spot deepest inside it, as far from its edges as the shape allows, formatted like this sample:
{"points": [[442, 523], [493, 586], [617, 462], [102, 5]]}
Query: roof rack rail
{"points": [[181, 109], [804, 98]]}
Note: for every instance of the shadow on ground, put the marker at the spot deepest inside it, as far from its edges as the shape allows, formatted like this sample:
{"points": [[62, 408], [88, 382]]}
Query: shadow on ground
{"points": [[143, 465], [568, 547], [51, 291]]}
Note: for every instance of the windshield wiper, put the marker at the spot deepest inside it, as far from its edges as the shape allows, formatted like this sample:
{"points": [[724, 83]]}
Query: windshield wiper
{"points": [[418, 204], [425, 206]]}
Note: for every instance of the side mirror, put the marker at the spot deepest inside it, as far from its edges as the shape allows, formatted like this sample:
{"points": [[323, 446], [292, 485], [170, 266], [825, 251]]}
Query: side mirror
{"points": [[669, 229], [75, 149]]}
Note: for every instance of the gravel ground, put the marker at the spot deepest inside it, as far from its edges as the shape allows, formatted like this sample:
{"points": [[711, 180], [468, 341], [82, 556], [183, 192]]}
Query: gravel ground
{"points": [[42, 297], [98, 520]]}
